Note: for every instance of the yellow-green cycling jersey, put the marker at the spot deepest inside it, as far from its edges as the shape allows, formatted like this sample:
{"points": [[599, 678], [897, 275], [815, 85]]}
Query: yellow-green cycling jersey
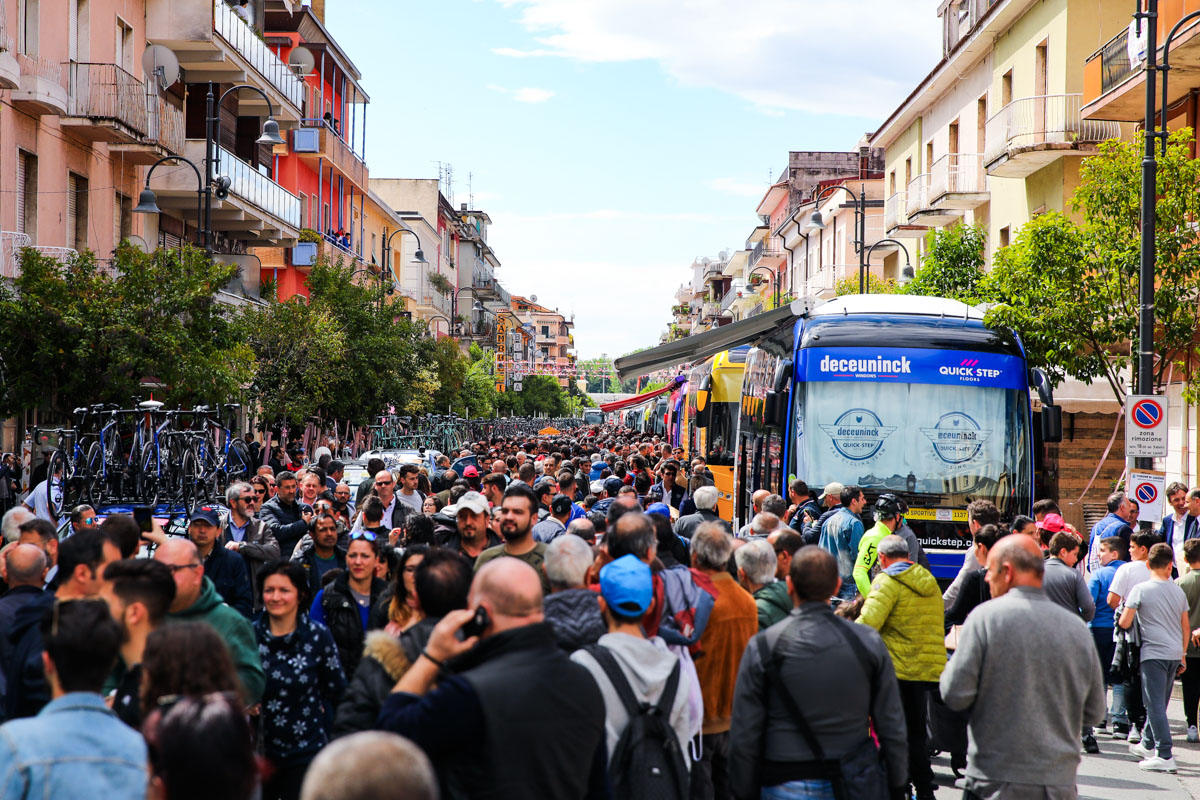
{"points": [[867, 563]]}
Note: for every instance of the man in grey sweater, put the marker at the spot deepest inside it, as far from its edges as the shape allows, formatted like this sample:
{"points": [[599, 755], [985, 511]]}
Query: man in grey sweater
{"points": [[1062, 582], [1003, 644]]}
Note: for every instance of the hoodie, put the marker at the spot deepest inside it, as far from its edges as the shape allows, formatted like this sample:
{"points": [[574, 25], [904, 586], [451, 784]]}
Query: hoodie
{"points": [[905, 606], [237, 632], [26, 690], [646, 663]]}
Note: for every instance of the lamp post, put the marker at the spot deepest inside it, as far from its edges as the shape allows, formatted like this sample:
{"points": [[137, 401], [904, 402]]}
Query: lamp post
{"points": [[477, 309], [860, 225], [148, 202], [418, 257], [211, 183], [774, 275], [907, 274], [431, 317]]}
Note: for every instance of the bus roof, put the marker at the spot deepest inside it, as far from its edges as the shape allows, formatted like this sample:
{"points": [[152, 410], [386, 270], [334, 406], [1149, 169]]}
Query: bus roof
{"points": [[897, 304]]}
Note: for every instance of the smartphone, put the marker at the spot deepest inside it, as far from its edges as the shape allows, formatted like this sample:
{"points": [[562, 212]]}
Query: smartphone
{"points": [[477, 624], [144, 517]]}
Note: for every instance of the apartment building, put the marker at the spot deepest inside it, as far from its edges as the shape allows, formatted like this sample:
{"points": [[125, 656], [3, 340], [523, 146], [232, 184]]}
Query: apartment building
{"points": [[553, 338]]}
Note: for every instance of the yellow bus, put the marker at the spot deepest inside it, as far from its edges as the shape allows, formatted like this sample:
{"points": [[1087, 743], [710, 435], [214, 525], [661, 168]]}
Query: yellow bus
{"points": [[714, 399]]}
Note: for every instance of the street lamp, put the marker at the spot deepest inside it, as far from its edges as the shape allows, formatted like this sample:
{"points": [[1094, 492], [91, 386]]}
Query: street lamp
{"points": [[431, 317], [477, 310], [774, 275], [908, 273], [418, 257], [148, 202], [817, 223]]}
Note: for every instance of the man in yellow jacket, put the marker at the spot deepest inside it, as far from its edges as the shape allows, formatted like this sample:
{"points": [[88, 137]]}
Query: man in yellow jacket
{"points": [[905, 606]]}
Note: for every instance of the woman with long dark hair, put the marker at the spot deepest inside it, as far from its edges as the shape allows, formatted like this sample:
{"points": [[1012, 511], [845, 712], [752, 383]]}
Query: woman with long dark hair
{"points": [[304, 678], [186, 658]]}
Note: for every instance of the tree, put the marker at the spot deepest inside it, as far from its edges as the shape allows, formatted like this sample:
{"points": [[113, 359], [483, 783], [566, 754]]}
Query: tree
{"points": [[875, 285], [75, 334], [1070, 290], [540, 394], [953, 264]]}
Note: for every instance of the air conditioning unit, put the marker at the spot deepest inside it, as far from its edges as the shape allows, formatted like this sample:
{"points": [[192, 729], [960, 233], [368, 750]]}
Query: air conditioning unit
{"points": [[306, 140]]}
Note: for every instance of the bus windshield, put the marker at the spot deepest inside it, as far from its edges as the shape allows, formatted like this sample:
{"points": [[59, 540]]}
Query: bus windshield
{"points": [[593, 416], [954, 442]]}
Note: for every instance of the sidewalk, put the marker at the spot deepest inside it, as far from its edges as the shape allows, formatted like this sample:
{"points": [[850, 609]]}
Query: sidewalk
{"points": [[1114, 773]]}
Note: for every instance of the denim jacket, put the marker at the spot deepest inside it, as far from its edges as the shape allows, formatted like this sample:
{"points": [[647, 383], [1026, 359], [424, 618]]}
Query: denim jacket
{"points": [[74, 747]]}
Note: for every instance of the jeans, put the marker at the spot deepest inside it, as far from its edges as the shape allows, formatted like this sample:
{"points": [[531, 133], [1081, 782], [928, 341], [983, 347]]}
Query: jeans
{"points": [[799, 790], [1191, 689], [848, 593], [1158, 675], [710, 775], [914, 700]]}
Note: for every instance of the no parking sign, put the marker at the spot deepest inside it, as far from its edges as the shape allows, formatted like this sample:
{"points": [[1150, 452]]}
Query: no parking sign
{"points": [[1145, 426], [1147, 487]]}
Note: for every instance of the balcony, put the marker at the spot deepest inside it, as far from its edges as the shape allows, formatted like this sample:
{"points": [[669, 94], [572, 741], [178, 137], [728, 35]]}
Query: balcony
{"points": [[105, 104], [315, 141], [258, 210], [710, 309], [11, 244], [414, 284], [712, 271], [736, 290], [10, 70], [918, 208], [895, 218], [41, 91], [957, 181], [214, 44], [1029, 133], [766, 253]]}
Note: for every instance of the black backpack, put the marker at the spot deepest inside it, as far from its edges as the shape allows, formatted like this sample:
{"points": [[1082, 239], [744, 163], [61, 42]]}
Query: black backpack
{"points": [[647, 762]]}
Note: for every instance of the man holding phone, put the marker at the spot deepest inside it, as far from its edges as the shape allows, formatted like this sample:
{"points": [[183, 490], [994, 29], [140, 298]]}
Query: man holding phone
{"points": [[511, 685], [287, 520]]}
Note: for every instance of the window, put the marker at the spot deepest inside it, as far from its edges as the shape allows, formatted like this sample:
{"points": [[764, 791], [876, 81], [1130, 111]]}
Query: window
{"points": [[122, 218], [1006, 86], [312, 210], [27, 31], [124, 45], [77, 30], [27, 180], [1004, 236], [77, 211], [545, 331]]}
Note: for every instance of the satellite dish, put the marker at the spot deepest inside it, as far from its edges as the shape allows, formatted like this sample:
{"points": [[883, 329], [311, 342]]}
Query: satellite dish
{"points": [[139, 243], [301, 60], [160, 63], [533, 298]]}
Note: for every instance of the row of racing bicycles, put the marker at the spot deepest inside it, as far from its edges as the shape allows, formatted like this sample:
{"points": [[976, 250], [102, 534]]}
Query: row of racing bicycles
{"points": [[145, 455]]}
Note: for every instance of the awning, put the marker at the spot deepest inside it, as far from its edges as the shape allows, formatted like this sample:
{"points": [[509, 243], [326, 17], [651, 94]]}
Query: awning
{"points": [[701, 345], [549, 432], [638, 399]]}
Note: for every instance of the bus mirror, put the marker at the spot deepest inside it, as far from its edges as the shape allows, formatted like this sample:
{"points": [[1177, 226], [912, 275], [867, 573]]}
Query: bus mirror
{"points": [[776, 409], [1051, 424]]}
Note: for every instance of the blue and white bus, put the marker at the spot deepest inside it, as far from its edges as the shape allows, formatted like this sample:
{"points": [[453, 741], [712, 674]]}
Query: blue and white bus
{"points": [[909, 395]]}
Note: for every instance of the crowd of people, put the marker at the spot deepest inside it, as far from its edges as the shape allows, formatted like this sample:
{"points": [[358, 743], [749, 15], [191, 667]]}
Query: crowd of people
{"points": [[571, 617]]}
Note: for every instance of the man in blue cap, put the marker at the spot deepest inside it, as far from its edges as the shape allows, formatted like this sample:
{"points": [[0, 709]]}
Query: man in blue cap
{"points": [[225, 568], [653, 673]]}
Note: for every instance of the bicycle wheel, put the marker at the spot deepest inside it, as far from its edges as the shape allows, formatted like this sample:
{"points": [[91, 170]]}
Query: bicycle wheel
{"points": [[189, 479], [95, 474], [237, 464], [147, 480], [54, 494]]}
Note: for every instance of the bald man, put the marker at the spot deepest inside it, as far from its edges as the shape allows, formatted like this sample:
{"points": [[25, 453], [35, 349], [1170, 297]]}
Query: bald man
{"points": [[999, 675], [26, 570], [512, 716], [197, 600]]}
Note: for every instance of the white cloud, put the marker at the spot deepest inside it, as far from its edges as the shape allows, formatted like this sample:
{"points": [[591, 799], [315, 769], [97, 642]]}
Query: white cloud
{"points": [[738, 188], [859, 58], [525, 94]]}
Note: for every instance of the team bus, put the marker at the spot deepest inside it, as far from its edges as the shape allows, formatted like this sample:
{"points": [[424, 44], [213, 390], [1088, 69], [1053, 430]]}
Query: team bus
{"points": [[715, 390], [593, 416], [909, 395]]}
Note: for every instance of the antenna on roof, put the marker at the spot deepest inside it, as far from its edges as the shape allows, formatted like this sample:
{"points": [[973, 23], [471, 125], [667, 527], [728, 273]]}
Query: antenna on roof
{"points": [[470, 190]]}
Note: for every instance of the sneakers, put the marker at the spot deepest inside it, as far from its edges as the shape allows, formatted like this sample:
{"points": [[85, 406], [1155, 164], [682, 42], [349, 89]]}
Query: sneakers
{"points": [[1193, 735], [1120, 730], [1140, 750], [1103, 726], [1089, 744], [1135, 735], [1156, 764]]}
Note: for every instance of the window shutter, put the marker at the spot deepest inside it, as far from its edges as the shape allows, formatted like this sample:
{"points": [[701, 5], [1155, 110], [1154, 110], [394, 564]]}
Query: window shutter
{"points": [[116, 220], [72, 211], [73, 30], [20, 192]]}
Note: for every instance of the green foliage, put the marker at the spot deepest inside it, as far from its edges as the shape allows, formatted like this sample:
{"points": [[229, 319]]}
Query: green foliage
{"points": [[309, 235], [74, 335], [540, 394], [1071, 289], [953, 264], [875, 285], [440, 282]]}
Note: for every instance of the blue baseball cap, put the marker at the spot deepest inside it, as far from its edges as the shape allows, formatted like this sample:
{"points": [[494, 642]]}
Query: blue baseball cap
{"points": [[208, 514], [662, 509], [626, 585]]}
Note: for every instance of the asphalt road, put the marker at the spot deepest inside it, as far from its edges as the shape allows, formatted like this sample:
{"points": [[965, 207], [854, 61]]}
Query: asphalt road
{"points": [[1114, 773]]}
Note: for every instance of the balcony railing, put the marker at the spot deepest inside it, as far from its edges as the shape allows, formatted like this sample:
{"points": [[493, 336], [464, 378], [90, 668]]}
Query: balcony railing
{"points": [[6, 40], [957, 173], [712, 268], [164, 122], [242, 38], [107, 92], [1043, 119], [895, 211], [762, 249], [1115, 66], [918, 195], [733, 295], [11, 244], [40, 67], [336, 149], [257, 189]]}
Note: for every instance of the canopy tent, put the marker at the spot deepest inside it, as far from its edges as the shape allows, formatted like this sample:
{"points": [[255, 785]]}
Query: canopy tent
{"points": [[549, 432], [644, 397], [700, 345]]}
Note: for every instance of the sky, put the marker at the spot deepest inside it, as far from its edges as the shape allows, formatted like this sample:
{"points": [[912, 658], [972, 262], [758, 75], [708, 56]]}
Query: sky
{"points": [[614, 141]]}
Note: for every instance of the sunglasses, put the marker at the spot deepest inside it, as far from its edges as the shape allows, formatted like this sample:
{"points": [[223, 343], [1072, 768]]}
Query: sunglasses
{"points": [[384, 483], [258, 493], [361, 534]]}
